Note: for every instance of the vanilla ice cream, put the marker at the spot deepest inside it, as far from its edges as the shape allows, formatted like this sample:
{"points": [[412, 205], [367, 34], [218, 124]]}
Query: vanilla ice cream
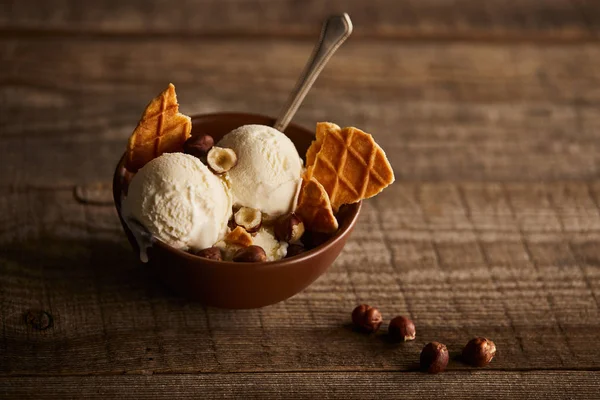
{"points": [[267, 175], [180, 201], [274, 249]]}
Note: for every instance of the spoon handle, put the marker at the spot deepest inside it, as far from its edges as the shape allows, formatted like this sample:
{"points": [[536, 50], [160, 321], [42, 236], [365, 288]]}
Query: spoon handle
{"points": [[335, 31]]}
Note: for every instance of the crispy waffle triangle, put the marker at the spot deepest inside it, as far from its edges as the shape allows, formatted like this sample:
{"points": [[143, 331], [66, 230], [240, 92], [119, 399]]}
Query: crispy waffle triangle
{"points": [[314, 208], [322, 129], [239, 237], [349, 165], [162, 129]]}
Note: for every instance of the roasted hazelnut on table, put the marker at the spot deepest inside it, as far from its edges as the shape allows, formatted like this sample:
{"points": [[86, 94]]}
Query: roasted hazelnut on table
{"points": [[434, 357], [212, 253], [198, 146], [250, 254], [479, 352], [402, 329], [366, 318]]}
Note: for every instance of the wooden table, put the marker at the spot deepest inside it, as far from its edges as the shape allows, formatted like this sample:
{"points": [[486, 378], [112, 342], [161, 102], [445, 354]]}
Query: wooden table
{"points": [[489, 112]]}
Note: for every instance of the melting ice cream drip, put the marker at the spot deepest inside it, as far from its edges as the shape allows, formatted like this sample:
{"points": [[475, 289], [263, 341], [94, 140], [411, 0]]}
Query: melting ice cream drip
{"points": [[142, 236]]}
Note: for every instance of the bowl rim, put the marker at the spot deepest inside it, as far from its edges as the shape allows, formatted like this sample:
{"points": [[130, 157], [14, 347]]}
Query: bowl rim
{"points": [[302, 257]]}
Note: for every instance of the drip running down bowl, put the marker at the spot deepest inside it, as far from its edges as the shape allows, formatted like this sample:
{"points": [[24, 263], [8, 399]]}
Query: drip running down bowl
{"points": [[239, 285]]}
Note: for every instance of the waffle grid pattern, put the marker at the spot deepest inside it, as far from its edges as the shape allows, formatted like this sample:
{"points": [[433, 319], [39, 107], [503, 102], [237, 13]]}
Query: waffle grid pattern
{"points": [[355, 181]]}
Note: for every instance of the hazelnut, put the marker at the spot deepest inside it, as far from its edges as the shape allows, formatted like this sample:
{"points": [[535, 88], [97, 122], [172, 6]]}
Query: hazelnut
{"points": [[198, 146], [248, 218], [479, 352], [289, 228], [402, 329], [434, 357], [221, 160], [294, 249], [250, 254], [367, 318], [212, 253]]}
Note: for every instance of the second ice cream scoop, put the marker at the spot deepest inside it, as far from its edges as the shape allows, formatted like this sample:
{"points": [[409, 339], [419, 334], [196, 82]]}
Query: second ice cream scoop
{"points": [[267, 174]]}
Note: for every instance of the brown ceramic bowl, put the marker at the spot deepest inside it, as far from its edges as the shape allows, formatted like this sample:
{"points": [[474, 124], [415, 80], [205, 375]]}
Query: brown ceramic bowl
{"points": [[240, 285]]}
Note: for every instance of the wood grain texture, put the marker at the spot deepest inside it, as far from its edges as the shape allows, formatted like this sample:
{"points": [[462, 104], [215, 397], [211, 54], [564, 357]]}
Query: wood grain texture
{"points": [[514, 262], [488, 112], [405, 19], [442, 111], [343, 385]]}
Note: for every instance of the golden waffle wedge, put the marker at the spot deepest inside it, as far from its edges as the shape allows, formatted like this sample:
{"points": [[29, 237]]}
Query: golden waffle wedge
{"points": [[322, 129], [314, 208], [238, 237], [350, 166], [162, 129]]}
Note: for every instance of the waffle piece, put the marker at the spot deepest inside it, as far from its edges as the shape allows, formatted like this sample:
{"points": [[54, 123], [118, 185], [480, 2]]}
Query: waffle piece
{"points": [[162, 129], [238, 237], [322, 129], [314, 208], [349, 164]]}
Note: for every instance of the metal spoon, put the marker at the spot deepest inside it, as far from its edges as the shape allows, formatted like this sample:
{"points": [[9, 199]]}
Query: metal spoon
{"points": [[335, 31]]}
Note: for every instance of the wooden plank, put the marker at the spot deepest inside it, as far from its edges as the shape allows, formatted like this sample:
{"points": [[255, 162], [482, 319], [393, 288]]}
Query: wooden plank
{"points": [[406, 19], [342, 385], [442, 111], [514, 262]]}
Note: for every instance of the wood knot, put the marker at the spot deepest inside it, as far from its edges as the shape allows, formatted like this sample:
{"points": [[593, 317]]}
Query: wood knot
{"points": [[39, 319]]}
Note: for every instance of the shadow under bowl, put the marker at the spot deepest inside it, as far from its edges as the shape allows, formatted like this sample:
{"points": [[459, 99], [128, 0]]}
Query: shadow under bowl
{"points": [[231, 284]]}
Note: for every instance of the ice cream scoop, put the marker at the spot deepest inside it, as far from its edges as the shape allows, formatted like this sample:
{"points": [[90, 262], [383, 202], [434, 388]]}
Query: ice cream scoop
{"points": [[179, 201], [267, 174]]}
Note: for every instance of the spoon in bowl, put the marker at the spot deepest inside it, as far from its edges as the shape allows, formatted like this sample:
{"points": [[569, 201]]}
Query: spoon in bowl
{"points": [[336, 30]]}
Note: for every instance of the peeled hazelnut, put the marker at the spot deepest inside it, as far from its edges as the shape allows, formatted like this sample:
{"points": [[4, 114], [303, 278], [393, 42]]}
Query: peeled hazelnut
{"points": [[212, 253], [434, 357], [479, 352], [367, 318], [402, 329], [250, 254], [248, 218], [221, 160], [294, 249], [198, 146], [289, 228]]}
